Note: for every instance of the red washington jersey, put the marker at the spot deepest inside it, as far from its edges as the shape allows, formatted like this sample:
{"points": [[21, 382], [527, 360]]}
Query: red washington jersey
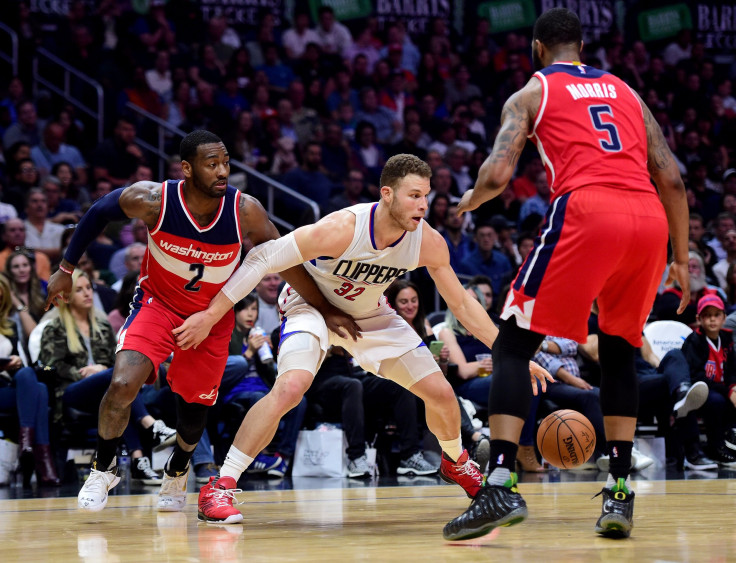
{"points": [[185, 264], [589, 123]]}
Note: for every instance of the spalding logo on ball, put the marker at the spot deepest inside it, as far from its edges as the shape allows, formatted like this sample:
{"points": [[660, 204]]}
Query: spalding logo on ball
{"points": [[566, 439]]}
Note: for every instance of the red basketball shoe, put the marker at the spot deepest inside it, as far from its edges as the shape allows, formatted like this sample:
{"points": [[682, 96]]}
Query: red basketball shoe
{"points": [[464, 472], [216, 502]]}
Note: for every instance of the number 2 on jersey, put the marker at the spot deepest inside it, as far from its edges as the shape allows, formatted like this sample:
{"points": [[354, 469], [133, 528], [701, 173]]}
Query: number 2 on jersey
{"points": [[613, 144], [345, 288], [198, 270]]}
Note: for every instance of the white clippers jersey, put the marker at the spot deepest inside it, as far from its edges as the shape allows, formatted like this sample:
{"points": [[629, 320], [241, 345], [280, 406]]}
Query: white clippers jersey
{"points": [[355, 281]]}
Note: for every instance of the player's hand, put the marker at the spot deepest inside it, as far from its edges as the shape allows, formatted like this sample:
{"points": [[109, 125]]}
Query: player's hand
{"points": [[193, 331], [679, 273], [59, 288], [539, 375], [340, 323], [465, 205]]}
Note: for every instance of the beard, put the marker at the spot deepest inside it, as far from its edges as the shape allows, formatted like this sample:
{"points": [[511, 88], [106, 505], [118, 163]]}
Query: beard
{"points": [[697, 283]]}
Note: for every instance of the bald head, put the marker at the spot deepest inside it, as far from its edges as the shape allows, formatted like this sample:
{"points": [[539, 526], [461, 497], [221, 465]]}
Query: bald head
{"points": [[14, 233]]}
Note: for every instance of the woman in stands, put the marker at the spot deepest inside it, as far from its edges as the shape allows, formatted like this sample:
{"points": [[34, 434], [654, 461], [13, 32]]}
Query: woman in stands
{"points": [[21, 392], [80, 346], [28, 293]]}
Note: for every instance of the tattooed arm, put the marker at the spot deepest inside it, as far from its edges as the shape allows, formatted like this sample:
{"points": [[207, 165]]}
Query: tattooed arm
{"points": [[666, 176], [517, 119]]}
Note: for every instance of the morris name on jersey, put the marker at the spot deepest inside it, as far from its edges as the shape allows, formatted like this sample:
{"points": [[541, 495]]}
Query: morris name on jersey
{"points": [[361, 272], [595, 90]]}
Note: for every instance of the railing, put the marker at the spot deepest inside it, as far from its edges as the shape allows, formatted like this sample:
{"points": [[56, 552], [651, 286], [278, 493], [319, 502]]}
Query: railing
{"points": [[12, 58], [73, 83], [259, 185]]}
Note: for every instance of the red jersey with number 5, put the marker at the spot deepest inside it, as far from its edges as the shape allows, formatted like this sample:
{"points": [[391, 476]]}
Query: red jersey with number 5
{"points": [[589, 130], [186, 264]]}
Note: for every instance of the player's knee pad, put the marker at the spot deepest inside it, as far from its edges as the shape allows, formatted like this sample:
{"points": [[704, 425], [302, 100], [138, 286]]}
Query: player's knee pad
{"points": [[517, 341], [409, 368], [191, 419], [300, 351], [619, 384]]}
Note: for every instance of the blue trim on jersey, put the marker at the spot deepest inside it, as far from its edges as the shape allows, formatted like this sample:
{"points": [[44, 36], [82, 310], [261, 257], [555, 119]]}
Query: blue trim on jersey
{"points": [[422, 343], [578, 71], [286, 335], [551, 231]]}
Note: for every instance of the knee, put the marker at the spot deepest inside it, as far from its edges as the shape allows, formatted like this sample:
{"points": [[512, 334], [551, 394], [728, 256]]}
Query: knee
{"points": [[353, 389], [288, 392], [25, 376], [122, 391], [441, 393]]}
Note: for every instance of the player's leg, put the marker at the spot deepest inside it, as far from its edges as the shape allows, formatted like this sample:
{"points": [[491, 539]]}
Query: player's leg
{"points": [[131, 371], [300, 356], [417, 371]]}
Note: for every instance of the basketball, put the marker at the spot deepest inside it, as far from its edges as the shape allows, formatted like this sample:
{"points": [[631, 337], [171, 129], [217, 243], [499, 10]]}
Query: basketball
{"points": [[566, 439]]}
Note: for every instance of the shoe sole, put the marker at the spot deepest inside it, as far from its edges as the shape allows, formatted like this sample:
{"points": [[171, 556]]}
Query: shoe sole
{"points": [[514, 517], [687, 465], [613, 526], [358, 475], [172, 508], [150, 482], [104, 503], [695, 398], [232, 519], [730, 445], [410, 471], [163, 445]]}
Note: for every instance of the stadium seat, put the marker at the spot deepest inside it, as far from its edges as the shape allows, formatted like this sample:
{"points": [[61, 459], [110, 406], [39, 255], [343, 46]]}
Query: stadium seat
{"points": [[664, 336]]}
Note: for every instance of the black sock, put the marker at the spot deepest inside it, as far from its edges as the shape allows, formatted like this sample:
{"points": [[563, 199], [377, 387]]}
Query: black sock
{"points": [[503, 454], [106, 450], [620, 461], [178, 461]]}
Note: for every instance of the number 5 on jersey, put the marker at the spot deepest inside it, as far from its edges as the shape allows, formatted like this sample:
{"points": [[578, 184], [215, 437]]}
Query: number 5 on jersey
{"points": [[613, 144]]}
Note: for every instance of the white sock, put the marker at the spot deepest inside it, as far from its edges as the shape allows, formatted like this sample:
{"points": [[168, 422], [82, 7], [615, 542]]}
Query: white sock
{"points": [[453, 448], [235, 464], [499, 476]]}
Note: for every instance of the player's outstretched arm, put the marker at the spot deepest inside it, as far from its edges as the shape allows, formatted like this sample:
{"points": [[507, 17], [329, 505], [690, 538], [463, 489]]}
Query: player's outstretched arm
{"points": [[140, 200], [436, 257], [516, 123], [327, 237], [666, 176]]}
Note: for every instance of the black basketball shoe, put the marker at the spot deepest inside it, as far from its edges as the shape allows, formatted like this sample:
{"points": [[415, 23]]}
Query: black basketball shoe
{"points": [[492, 507], [617, 516]]}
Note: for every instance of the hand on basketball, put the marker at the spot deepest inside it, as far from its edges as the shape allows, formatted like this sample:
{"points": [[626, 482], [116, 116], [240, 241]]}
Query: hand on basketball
{"points": [[193, 331], [58, 290], [341, 323], [540, 375]]}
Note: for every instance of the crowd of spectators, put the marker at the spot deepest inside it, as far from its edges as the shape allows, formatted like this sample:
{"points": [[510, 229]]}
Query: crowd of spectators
{"points": [[320, 106]]}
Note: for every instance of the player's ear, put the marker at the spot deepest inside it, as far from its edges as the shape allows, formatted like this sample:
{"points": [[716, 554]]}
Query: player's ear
{"points": [[386, 193], [186, 168]]}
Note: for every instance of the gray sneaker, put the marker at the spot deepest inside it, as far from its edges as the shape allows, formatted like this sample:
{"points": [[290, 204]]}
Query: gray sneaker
{"points": [[416, 465], [359, 467]]}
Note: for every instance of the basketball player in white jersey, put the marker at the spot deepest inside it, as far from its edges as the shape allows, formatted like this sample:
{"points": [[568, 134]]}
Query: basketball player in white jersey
{"points": [[353, 255]]}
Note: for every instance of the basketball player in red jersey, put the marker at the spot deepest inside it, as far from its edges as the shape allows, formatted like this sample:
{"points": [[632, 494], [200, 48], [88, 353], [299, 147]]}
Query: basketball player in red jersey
{"points": [[196, 230], [605, 238]]}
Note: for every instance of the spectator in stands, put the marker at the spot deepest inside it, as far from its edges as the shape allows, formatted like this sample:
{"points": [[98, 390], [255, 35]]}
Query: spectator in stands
{"points": [[710, 355], [387, 127], [368, 156], [158, 78], [343, 91], [721, 268], [457, 159], [335, 153], [61, 210], [279, 74], [539, 202], [240, 67], [305, 119], [268, 309], [25, 176], [155, 31], [308, 180], [133, 261], [364, 46], [723, 224], [297, 38], [525, 185], [123, 300], [334, 37], [229, 97], [27, 291], [460, 88], [41, 233], [14, 95], [459, 242], [437, 214], [140, 94], [351, 195], [177, 109], [21, 392], [486, 260], [53, 150], [26, 129], [102, 296], [116, 159], [14, 238], [223, 39]]}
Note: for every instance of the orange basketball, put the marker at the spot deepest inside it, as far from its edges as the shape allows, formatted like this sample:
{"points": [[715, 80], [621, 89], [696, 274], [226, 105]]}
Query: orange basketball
{"points": [[566, 439]]}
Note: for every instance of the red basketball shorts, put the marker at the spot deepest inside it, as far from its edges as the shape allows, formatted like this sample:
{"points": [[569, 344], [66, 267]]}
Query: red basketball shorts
{"points": [[195, 375], [596, 243]]}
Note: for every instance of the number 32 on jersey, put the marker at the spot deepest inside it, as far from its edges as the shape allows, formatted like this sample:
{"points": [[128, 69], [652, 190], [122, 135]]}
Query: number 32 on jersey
{"points": [[349, 291]]}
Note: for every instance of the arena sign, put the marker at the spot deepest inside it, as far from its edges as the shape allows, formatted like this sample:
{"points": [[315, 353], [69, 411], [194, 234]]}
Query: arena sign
{"points": [[715, 25]]}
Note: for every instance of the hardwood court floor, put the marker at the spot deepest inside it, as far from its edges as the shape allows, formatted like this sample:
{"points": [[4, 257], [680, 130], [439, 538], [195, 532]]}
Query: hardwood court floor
{"points": [[675, 521]]}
